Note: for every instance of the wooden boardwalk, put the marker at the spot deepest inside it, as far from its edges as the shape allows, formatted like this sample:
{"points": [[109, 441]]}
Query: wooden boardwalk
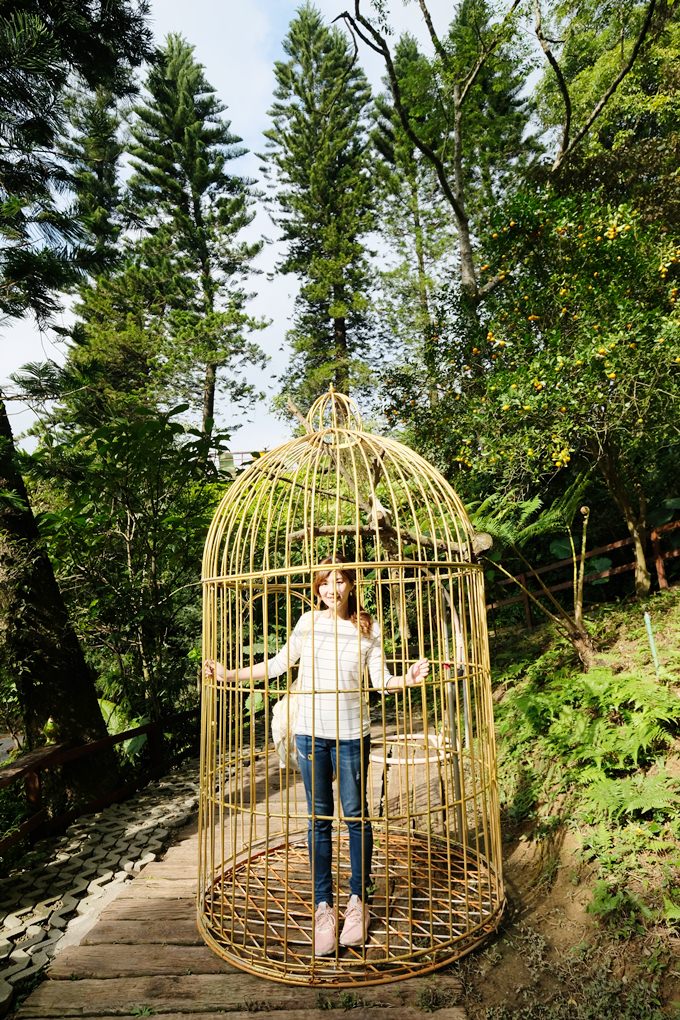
{"points": [[144, 957]]}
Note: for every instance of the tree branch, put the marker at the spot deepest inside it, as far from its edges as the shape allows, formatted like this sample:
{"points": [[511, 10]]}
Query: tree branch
{"points": [[562, 85], [562, 156], [430, 27], [378, 533], [380, 46], [297, 413], [481, 60]]}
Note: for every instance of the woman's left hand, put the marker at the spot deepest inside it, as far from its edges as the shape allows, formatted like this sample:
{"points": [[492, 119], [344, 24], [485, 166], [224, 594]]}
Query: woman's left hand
{"points": [[417, 672]]}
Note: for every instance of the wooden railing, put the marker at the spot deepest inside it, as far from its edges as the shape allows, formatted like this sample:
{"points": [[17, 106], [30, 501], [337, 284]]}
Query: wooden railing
{"points": [[656, 561], [29, 767]]}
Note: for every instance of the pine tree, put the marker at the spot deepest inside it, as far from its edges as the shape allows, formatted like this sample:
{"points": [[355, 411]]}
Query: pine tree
{"points": [[93, 151], [496, 146], [42, 51], [318, 161], [181, 151]]}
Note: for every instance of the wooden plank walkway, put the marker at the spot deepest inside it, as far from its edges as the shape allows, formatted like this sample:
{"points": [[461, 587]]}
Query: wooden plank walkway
{"points": [[144, 957]]}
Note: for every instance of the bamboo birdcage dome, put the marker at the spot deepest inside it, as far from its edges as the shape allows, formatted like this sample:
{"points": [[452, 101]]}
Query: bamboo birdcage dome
{"points": [[431, 793]]}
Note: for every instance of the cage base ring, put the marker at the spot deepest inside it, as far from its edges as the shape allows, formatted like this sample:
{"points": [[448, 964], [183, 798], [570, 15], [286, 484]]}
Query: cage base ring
{"points": [[435, 902]]}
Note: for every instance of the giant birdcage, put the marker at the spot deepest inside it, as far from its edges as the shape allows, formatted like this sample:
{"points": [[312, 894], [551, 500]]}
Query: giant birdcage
{"points": [[430, 787]]}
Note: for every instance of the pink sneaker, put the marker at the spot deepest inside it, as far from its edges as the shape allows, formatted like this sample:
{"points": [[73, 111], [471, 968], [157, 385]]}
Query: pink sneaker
{"points": [[357, 921], [324, 930]]}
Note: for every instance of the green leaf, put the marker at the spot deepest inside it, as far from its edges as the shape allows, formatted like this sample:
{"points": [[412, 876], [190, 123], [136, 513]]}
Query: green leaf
{"points": [[595, 565], [671, 910], [561, 548], [255, 702]]}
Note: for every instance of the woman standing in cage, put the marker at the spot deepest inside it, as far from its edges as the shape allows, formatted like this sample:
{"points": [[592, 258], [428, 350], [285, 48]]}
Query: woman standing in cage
{"points": [[334, 645]]}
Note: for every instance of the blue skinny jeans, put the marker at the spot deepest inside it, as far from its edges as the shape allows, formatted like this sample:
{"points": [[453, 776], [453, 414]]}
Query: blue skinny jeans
{"points": [[319, 759]]}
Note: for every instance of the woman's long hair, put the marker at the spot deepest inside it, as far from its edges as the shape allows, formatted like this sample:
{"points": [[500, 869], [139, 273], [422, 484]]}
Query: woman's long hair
{"points": [[359, 617]]}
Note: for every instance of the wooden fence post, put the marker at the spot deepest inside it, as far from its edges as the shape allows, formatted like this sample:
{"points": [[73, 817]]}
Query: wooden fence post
{"points": [[526, 601], [34, 795], [658, 559]]}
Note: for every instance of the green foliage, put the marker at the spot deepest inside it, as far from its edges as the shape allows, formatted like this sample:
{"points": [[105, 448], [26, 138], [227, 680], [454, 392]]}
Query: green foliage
{"points": [[596, 752], [10, 708], [497, 146], [475, 122], [117, 722], [601, 723], [341, 1000], [413, 218], [192, 211], [631, 797], [599, 997], [44, 247], [619, 850], [572, 364], [432, 997], [254, 703], [93, 152], [12, 809], [557, 348], [638, 127], [127, 505], [619, 909], [581, 344]]}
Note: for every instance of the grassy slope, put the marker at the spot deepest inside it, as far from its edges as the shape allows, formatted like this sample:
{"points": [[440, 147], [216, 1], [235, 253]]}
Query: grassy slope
{"points": [[588, 769]]}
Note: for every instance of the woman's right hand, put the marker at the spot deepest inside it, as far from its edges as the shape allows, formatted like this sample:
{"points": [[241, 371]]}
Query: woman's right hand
{"points": [[215, 671], [417, 672]]}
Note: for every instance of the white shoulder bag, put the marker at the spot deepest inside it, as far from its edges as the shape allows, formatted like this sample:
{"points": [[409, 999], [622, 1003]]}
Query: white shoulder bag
{"points": [[284, 720]]}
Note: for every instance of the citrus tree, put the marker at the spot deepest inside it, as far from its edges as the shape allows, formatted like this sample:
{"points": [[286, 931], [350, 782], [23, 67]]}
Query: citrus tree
{"points": [[575, 359]]}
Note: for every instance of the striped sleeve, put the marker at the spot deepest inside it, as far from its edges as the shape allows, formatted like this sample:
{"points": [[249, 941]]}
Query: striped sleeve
{"points": [[375, 660], [289, 653]]}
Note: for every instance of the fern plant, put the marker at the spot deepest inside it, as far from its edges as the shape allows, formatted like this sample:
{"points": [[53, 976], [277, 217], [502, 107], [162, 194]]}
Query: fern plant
{"points": [[630, 797], [606, 721], [590, 751]]}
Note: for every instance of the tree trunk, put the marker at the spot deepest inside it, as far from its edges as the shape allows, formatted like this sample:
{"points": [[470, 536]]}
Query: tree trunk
{"points": [[341, 370], [418, 236], [583, 646], [636, 520], [423, 296], [38, 645], [468, 278], [209, 384], [208, 292]]}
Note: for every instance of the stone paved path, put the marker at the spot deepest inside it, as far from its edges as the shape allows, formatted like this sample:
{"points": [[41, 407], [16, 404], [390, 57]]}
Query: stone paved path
{"points": [[62, 886], [144, 957], [134, 950]]}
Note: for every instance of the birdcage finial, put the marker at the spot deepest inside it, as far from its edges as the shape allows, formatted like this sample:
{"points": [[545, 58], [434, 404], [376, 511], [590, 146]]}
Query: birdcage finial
{"points": [[334, 410]]}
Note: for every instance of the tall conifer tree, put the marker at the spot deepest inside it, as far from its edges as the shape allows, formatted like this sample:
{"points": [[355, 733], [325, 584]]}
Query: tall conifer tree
{"points": [[480, 140], [414, 220], [182, 187], [495, 144], [318, 161], [93, 152]]}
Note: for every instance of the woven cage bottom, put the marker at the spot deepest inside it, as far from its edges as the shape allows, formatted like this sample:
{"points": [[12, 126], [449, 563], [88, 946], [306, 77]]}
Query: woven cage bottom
{"points": [[434, 902]]}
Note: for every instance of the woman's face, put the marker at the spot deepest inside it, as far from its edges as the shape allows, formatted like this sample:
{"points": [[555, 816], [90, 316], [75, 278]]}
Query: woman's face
{"points": [[334, 592]]}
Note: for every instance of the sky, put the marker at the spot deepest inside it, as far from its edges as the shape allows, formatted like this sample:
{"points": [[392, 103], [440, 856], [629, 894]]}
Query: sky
{"points": [[237, 43]]}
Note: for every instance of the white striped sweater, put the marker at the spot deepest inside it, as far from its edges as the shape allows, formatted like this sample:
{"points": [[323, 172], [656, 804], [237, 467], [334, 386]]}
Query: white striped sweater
{"points": [[333, 655]]}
